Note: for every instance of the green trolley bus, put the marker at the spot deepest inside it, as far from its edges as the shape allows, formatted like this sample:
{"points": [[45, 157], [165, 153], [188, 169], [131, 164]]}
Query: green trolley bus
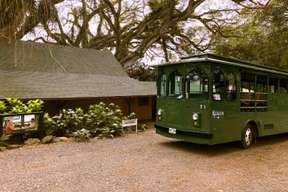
{"points": [[207, 99]]}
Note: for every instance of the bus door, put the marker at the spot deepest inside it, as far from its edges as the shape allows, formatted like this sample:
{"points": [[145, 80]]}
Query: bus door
{"points": [[225, 105]]}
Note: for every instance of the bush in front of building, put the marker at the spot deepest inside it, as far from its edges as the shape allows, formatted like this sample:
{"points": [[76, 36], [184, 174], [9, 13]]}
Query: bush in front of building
{"points": [[101, 120], [13, 105]]}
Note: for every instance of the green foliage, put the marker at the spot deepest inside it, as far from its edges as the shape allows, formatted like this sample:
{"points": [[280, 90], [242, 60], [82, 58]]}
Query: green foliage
{"points": [[69, 120], [104, 120], [262, 38], [4, 140], [3, 107], [17, 106], [49, 125], [142, 72], [82, 135], [35, 105], [100, 120], [131, 116]]}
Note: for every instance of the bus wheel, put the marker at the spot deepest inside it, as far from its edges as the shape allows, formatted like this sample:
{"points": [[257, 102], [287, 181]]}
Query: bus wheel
{"points": [[247, 137]]}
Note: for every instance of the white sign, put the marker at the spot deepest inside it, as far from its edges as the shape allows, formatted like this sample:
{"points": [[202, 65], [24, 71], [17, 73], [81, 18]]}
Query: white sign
{"points": [[130, 122]]}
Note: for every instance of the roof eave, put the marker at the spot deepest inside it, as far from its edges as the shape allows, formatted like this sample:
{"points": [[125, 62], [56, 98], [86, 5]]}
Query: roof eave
{"points": [[205, 59]]}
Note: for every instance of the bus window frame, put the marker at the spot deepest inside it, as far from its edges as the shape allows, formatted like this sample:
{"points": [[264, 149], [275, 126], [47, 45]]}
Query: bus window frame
{"points": [[276, 88], [203, 75], [160, 79], [285, 87], [254, 100], [169, 80], [231, 95], [224, 91]]}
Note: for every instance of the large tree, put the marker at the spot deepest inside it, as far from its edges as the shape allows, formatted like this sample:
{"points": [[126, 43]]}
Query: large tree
{"points": [[262, 39], [132, 29], [18, 17]]}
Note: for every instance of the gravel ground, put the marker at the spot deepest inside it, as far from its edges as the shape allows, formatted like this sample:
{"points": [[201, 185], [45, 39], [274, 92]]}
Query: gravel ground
{"points": [[146, 162]]}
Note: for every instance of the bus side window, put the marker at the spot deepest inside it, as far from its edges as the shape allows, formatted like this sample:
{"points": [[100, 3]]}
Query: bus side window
{"points": [[261, 84], [175, 84], [273, 85], [247, 83], [231, 87], [283, 86], [261, 96], [247, 97], [219, 87], [163, 85]]}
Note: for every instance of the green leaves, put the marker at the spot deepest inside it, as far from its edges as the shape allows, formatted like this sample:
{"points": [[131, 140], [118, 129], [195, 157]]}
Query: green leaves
{"points": [[13, 105], [262, 37], [3, 107], [4, 140], [35, 105], [100, 120], [82, 135]]}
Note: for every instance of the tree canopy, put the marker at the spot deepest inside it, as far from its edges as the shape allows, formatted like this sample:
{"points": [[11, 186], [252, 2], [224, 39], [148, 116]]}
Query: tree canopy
{"points": [[130, 29], [18, 17], [262, 38]]}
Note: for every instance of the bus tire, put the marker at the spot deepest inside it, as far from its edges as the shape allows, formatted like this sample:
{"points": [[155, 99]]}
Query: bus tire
{"points": [[247, 137]]}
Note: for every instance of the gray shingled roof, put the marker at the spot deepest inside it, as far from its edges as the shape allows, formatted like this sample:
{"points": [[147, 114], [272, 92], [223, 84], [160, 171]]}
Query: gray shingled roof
{"points": [[32, 70], [30, 56]]}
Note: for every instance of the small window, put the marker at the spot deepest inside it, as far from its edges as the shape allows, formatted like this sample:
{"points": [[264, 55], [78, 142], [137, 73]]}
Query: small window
{"points": [[196, 83], [247, 95], [219, 85], [163, 85], [175, 84], [231, 87], [178, 85], [273, 85], [247, 83], [253, 98], [283, 86], [261, 84]]}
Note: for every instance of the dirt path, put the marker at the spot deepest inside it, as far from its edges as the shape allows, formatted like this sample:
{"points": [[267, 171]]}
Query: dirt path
{"points": [[146, 162]]}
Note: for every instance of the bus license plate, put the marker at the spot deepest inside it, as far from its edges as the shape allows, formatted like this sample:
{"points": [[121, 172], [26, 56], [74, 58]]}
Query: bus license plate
{"points": [[172, 131]]}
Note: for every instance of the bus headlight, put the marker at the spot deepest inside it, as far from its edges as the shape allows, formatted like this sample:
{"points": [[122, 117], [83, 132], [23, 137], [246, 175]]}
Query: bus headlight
{"points": [[159, 114], [196, 119], [195, 116]]}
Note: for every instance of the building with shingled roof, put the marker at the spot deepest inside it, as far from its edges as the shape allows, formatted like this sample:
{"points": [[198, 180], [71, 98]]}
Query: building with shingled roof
{"points": [[68, 77]]}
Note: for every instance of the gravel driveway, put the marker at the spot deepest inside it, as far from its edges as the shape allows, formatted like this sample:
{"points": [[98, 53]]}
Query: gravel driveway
{"points": [[146, 162]]}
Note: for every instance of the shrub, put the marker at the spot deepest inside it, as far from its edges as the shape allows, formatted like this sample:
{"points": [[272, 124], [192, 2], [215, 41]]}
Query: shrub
{"points": [[104, 120], [49, 125], [3, 107], [82, 135], [69, 120], [4, 140], [35, 105], [100, 120], [17, 106]]}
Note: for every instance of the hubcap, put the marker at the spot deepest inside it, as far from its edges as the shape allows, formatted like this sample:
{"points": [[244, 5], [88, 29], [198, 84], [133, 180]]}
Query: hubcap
{"points": [[248, 136]]}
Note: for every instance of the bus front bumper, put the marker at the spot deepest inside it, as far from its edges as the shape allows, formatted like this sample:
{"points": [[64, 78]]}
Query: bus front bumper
{"points": [[188, 136]]}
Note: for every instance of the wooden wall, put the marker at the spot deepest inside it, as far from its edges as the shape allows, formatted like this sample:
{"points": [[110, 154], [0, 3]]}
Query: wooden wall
{"points": [[143, 106]]}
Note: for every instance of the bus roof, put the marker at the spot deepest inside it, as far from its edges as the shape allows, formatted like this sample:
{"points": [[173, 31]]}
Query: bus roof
{"points": [[226, 61]]}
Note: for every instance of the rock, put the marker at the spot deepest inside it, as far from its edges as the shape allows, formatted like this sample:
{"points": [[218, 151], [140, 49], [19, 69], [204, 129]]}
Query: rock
{"points": [[32, 141], [3, 148], [60, 139], [47, 139], [13, 146]]}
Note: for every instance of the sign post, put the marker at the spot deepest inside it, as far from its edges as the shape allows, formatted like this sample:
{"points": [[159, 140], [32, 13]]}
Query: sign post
{"points": [[130, 122]]}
